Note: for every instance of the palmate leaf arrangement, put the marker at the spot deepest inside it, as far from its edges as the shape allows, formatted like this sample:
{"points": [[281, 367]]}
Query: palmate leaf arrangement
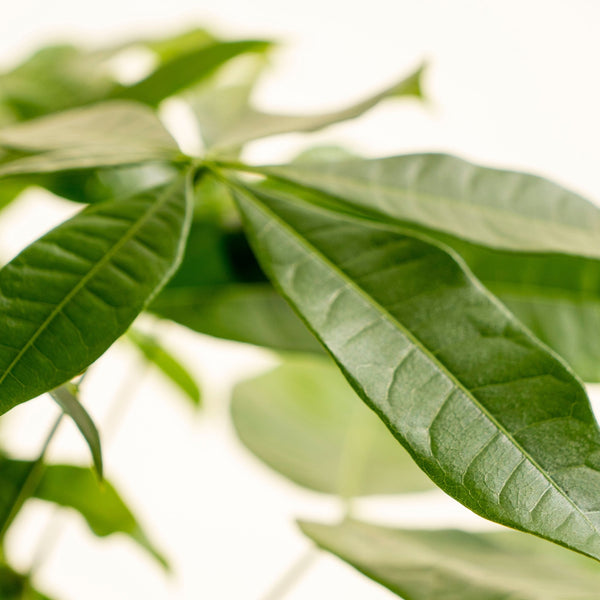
{"points": [[460, 303]]}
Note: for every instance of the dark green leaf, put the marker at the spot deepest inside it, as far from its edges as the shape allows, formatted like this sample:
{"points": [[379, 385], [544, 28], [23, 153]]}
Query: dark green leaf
{"points": [[488, 413], [250, 124], [185, 70], [109, 134], [66, 397], [456, 565], [304, 420], [14, 586], [164, 360], [69, 295]]}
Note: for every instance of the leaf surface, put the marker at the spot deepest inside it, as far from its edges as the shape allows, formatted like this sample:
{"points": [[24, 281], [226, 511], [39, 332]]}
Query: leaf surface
{"points": [[456, 565], [304, 420], [493, 417], [67, 297], [109, 134]]}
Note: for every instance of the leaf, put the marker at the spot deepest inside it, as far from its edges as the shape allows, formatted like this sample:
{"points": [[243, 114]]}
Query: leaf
{"points": [[500, 209], [488, 413], [66, 298], [77, 488], [15, 586], [456, 565], [53, 79], [110, 134], [98, 503], [185, 70], [251, 124], [220, 290], [303, 420], [555, 294], [159, 356], [66, 397]]}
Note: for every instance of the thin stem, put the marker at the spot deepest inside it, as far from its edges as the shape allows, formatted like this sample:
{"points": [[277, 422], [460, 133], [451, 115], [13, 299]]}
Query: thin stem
{"points": [[292, 575], [32, 480]]}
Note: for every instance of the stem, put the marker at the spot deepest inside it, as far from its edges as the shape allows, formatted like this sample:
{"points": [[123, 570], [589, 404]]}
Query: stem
{"points": [[32, 480], [292, 575]]}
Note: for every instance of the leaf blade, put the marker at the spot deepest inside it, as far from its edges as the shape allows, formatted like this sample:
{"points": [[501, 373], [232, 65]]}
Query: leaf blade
{"points": [[443, 401], [111, 259]]}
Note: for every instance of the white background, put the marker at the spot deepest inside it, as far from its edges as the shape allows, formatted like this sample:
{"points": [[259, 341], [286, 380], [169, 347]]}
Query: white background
{"points": [[512, 84]]}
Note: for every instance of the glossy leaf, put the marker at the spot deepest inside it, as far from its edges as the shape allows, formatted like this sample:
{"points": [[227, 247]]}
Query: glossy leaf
{"points": [[66, 298], [76, 487], [110, 134], [171, 367], [185, 70], [456, 565], [252, 124], [488, 413], [66, 397], [500, 209], [304, 420]]}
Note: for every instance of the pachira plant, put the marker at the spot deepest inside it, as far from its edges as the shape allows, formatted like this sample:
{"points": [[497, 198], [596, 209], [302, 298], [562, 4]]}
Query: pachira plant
{"points": [[461, 304]]}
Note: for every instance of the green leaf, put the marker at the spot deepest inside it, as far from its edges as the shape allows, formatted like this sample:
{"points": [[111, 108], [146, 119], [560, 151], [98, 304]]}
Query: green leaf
{"points": [[304, 420], [251, 124], [172, 47], [186, 70], [109, 134], [159, 356], [220, 290], [456, 565], [497, 421], [66, 298], [55, 78], [67, 398], [554, 293], [77, 488], [15, 586], [494, 208]]}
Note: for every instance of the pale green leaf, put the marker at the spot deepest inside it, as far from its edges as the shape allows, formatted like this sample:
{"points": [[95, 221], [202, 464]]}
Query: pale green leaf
{"points": [[156, 353], [67, 398], [305, 421], [456, 565], [109, 134], [493, 417], [66, 298], [250, 123]]}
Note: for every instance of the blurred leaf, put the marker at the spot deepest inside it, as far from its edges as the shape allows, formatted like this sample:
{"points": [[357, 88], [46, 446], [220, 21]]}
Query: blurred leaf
{"points": [[55, 78], [77, 488], [456, 565], [186, 70], [69, 295], [14, 586], [171, 47], [160, 357], [496, 420], [215, 114], [109, 134], [66, 397], [305, 421]]}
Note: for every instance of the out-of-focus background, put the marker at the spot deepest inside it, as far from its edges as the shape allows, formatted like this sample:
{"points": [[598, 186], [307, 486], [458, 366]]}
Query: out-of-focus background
{"points": [[511, 84]]}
